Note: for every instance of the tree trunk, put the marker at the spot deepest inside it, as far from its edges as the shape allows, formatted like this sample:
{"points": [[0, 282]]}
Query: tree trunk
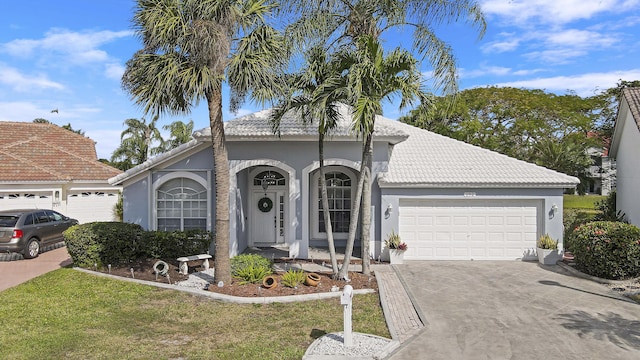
{"points": [[355, 212], [325, 208], [222, 262], [366, 211]]}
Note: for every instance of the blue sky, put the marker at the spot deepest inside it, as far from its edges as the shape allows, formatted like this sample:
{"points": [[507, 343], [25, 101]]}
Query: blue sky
{"points": [[70, 54]]}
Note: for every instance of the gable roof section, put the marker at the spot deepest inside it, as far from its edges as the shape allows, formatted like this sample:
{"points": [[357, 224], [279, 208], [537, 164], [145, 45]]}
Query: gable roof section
{"points": [[630, 96], [46, 152], [428, 159], [257, 127]]}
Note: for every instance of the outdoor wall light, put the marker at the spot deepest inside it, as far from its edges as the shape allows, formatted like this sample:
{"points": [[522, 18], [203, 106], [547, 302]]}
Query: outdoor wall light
{"points": [[388, 212], [553, 211]]}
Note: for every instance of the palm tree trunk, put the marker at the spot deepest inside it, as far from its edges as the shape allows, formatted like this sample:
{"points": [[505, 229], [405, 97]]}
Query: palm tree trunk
{"points": [[366, 211], [222, 262], [325, 207], [355, 212]]}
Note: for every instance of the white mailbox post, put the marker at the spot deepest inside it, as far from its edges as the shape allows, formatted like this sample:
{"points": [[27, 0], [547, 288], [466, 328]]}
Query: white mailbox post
{"points": [[346, 301]]}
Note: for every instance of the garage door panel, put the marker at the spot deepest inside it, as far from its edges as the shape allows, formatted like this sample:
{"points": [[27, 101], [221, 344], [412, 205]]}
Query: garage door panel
{"points": [[462, 230]]}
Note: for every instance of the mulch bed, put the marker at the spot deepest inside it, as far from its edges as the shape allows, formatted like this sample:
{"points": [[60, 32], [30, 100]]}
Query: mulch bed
{"points": [[143, 270]]}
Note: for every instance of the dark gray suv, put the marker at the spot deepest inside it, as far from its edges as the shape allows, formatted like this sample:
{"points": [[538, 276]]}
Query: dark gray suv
{"points": [[27, 231]]}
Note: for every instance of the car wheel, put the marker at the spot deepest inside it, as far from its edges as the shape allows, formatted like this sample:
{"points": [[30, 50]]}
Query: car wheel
{"points": [[32, 249]]}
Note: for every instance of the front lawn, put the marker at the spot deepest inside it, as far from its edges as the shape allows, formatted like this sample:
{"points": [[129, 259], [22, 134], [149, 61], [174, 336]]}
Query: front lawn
{"points": [[72, 315], [587, 202]]}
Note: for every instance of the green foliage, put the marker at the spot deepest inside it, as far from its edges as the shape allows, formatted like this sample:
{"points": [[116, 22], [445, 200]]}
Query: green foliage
{"points": [[115, 243], [251, 268], [103, 243], [137, 143], [573, 218], [293, 278], [394, 242], [118, 208], [609, 250], [546, 242], [607, 210]]}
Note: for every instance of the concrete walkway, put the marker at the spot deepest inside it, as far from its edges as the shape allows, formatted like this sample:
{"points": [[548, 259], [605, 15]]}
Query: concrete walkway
{"points": [[13, 273], [515, 310]]}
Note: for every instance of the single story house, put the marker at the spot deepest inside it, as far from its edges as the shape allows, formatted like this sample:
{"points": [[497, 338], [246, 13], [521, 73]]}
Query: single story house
{"points": [[445, 198], [45, 166], [625, 148]]}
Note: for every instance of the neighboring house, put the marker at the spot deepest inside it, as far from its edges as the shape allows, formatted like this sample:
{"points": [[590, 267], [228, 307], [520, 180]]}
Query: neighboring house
{"points": [[625, 148], [602, 174], [447, 199], [48, 167]]}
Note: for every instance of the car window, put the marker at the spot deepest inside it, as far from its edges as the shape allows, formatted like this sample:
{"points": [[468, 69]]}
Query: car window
{"points": [[28, 220], [42, 217], [54, 216], [8, 220]]}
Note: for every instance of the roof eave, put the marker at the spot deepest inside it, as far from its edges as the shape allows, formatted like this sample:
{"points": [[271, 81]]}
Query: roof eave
{"points": [[468, 185]]}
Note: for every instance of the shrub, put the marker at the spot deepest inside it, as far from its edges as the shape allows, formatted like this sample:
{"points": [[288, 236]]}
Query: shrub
{"points": [[251, 268], [394, 242], [607, 249], [103, 243], [173, 244], [572, 219], [293, 278], [607, 210]]}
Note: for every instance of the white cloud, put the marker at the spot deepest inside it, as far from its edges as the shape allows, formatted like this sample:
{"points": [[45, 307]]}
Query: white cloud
{"points": [[506, 42], [114, 71], [22, 111], [19, 82], [485, 70], [522, 12], [580, 38], [584, 84], [555, 56], [106, 141]]}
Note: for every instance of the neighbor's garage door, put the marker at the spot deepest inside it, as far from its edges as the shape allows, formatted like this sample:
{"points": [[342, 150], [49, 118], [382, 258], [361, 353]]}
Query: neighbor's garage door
{"points": [[30, 200], [468, 229], [89, 206]]}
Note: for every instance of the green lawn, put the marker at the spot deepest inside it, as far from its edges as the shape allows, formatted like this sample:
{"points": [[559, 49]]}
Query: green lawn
{"points": [[73, 315], [585, 202]]}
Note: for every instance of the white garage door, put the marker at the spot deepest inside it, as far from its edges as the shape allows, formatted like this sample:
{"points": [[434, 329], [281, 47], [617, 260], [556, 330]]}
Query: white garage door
{"points": [[90, 206], [27, 200], [468, 229]]}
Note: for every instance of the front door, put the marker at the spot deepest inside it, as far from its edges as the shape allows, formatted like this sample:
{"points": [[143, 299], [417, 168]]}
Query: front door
{"points": [[265, 218]]}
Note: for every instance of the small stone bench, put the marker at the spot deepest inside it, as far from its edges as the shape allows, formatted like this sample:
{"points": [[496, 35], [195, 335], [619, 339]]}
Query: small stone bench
{"points": [[184, 267]]}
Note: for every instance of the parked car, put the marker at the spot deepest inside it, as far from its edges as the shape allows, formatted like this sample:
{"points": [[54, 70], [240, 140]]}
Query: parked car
{"points": [[27, 231]]}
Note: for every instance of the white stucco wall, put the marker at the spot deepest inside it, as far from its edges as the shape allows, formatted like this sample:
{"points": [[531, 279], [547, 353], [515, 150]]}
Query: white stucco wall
{"points": [[628, 167]]}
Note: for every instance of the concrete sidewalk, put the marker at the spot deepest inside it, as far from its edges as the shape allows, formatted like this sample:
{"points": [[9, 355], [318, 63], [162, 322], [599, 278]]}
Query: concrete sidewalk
{"points": [[13, 273]]}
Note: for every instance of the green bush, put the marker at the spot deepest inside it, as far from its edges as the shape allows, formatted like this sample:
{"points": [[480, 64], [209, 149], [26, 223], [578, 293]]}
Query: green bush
{"points": [[546, 242], [293, 278], [572, 219], [103, 243], [607, 210], [117, 243], [251, 268], [174, 244], [609, 250]]}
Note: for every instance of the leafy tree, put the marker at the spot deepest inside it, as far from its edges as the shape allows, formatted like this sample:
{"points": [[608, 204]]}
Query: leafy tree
{"points": [[608, 102], [315, 93], [343, 23], [136, 143], [66, 127], [190, 48], [179, 133], [41, 121]]}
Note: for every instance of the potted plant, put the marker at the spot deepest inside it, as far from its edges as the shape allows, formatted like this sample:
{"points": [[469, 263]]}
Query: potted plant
{"points": [[547, 250], [396, 248]]}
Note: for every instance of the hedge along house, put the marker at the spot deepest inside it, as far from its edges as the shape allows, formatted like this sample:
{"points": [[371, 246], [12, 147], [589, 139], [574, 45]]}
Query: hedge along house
{"points": [[447, 199]]}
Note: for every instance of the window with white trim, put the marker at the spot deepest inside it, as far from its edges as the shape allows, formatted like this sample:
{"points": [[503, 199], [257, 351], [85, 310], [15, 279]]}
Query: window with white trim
{"points": [[340, 182], [181, 205]]}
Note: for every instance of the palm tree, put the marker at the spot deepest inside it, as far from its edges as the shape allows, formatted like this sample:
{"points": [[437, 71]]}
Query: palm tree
{"points": [[315, 93], [345, 22], [136, 143], [190, 48], [374, 78], [179, 133]]}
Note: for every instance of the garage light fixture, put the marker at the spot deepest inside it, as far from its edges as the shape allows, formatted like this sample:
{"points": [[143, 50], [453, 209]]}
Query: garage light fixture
{"points": [[388, 212], [554, 210]]}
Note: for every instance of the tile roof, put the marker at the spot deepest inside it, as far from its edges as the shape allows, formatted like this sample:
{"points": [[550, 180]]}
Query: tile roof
{"points": [[632, 95], [258, 127], [46, 152], [427, 159]]}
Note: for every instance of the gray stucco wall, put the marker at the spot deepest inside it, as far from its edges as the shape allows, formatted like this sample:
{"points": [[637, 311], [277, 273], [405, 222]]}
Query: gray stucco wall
{"points": [[135, 203]]}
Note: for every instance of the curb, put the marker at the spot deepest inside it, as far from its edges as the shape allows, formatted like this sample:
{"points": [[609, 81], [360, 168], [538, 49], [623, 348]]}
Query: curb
{"points": [[580, 274], [230, 298]]}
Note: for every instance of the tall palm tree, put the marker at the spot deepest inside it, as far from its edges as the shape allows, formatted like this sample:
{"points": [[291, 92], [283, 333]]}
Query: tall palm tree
{"points": [[344, 22], [315, 93], [372, 79], [189, 48], [136, 143], [179, 133]]}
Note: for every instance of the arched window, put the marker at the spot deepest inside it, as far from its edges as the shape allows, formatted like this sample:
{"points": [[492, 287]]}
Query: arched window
{"points": [[340, 192], [182, 205], [269, 178]]}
